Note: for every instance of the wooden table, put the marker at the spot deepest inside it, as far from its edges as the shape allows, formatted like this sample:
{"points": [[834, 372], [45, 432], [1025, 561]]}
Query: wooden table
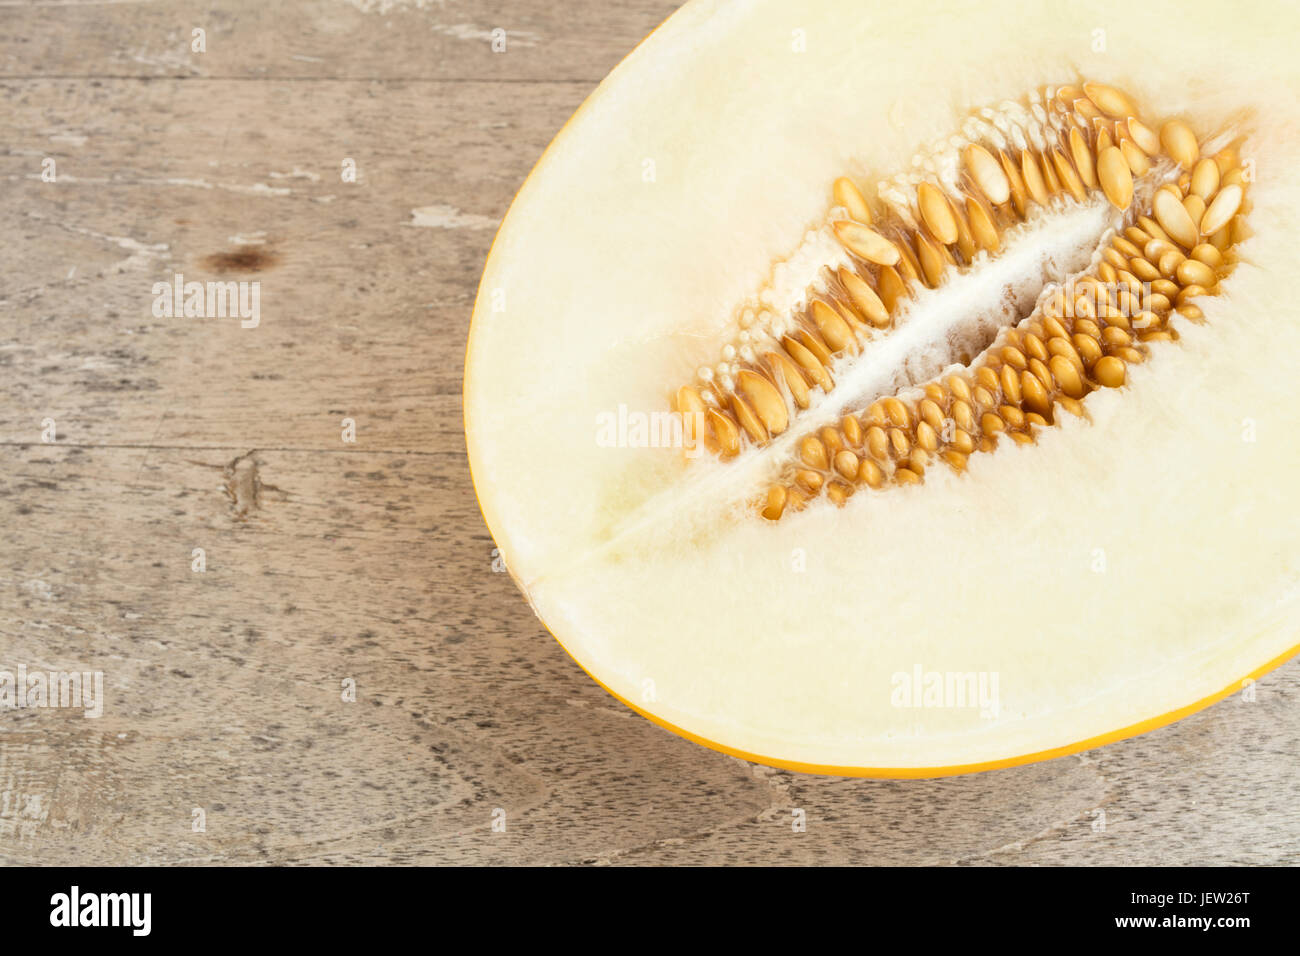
{"points": [[329, 561]]}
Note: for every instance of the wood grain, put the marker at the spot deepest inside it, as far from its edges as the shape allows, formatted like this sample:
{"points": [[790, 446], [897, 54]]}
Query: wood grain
{"points": [[329, 561]]}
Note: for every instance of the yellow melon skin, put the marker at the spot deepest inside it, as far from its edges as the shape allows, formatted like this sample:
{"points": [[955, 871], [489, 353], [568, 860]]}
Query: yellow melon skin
{"points": [[1125, 571]]}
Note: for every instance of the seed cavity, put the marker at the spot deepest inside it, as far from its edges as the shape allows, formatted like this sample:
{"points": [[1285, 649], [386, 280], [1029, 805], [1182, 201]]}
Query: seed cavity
{"points": [[1063, 145]]}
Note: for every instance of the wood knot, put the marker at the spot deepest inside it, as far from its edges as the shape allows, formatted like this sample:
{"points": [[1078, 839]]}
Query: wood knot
{"points": [[244, 484], [241, 260]]}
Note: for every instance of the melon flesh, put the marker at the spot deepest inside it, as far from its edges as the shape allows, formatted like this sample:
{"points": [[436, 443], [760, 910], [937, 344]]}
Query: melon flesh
{"points": [[1122, 571]]}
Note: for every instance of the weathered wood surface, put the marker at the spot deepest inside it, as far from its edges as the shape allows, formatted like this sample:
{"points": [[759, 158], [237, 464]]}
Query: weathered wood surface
{"points": [[369, 560]]}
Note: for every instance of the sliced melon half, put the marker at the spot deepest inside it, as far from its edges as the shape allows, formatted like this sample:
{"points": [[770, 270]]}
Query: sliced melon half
{"points": [[908, 392]]}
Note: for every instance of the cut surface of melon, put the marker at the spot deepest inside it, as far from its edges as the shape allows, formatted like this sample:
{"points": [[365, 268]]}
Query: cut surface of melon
{"points": [[1102, 574]]}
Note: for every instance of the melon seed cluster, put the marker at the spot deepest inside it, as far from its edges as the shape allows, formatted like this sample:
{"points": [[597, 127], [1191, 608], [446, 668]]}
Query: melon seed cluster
{"points": [[1062, 144], [1082, 337]]}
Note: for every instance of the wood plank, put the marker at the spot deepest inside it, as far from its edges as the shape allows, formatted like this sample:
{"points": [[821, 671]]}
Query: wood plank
{"points": [[363, 313], [333, 39]]}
